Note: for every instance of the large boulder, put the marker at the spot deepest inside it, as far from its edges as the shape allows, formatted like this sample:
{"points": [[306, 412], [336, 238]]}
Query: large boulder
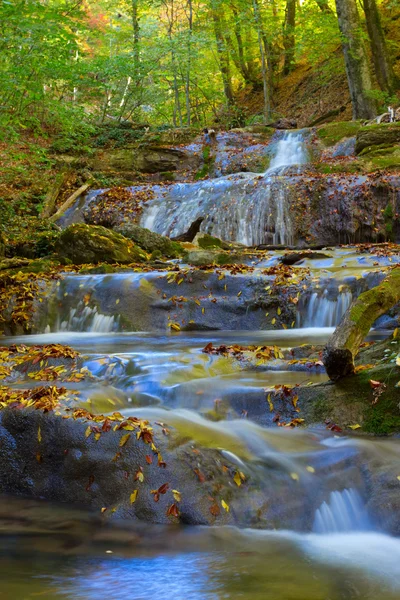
{"points": [[151, 242], [129, 468], [377, 135], [82, 244]]}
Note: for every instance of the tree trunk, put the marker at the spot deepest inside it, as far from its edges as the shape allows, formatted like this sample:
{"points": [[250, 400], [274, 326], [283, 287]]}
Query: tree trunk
{"points": [[339, 354], [223, 55], [265, 61], [324, 6], [189, 61], [380, 56], [136, 42], [357, 68], [289, 37]]}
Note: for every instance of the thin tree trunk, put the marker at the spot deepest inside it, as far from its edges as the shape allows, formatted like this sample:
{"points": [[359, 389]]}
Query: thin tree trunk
{"points": [[223, 55], [289, 36], [265, 61], [189, 62], [355, 58], [380, 56]]}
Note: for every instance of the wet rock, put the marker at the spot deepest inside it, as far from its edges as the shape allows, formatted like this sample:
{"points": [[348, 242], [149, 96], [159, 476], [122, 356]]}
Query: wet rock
{"points": [[82, 244], [293, 258], [376, 135], [150, 241], [283, 124], [191, 233], [169, 478]]}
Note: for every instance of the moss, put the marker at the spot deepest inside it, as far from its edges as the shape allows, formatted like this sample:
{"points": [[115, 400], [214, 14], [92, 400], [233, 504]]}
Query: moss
{"points": [[332, 133], [208, 241], [350, 167], [208, 162], [150, 241], [85, 244]]}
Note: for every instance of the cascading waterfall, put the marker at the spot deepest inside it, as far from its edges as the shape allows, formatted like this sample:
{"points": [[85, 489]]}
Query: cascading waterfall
{"points": [[322, 311], [248, 208], [290, 151], [343, 512]]}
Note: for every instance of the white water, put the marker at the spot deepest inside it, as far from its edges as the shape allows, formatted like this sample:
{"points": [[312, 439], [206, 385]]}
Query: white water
{"points": [[344, 512], [321, 311], [246, 208], [291, 151], [87, 319]]}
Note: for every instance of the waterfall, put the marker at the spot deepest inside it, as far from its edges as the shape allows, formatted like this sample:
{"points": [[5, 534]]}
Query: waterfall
{"points": [[87, 319], [343, 512], [290, 151], [318, 310], [248, 208]]}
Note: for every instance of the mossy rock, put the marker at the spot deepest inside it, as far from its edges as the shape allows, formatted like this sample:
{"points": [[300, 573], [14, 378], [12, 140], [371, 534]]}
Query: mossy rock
{"points": [[206, 241], [151, 242], [332, 133], [31, 237], [373, 136], [83, 244]]}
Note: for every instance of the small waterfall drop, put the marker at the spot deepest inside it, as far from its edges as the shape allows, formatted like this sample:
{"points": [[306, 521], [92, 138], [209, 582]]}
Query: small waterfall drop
{"points": [[321, 311], [343, 512], [87, 319], [290, 151]]}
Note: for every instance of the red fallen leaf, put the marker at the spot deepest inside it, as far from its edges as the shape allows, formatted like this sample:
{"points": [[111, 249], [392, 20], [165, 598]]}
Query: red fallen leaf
{"points": [[334, 427], [215, 510], [162, 464], [200, 475], [208, 348], [91, 481], [374, 384], [106, 425], [156, 495], [149, 459], [172, 511], [163, 488]]}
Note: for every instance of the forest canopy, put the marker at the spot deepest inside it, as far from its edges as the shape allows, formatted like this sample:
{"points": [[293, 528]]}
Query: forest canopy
{"points": [[67, 65]]}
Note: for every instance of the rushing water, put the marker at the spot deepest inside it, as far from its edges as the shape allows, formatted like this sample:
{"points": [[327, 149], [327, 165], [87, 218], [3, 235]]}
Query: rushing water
{"points": [[330, 540]]}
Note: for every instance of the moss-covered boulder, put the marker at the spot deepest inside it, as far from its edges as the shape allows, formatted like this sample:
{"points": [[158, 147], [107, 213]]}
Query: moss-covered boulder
{"points": [[150, 241], [82, 244], [375, 135]]}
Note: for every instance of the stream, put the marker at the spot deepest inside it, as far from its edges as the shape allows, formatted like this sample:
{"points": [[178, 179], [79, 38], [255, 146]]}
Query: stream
{"points": [[330, 540]]}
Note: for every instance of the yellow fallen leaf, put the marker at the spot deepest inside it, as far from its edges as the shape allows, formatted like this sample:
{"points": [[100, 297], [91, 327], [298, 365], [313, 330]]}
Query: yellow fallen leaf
{"points": [[117, 301], [395, 333], [88, 431], [133, 496], [97, 436], [177, 495], [237, 479], [310, 469], [225, 505], [279, 310], [271, 406], [294, 476], [273, 321], [39, 435], [356, 426], [124, 439]]}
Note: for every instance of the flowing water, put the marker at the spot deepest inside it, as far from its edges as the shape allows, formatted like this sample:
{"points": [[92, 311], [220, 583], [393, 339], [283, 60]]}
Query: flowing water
{"points": [[332, 542]]}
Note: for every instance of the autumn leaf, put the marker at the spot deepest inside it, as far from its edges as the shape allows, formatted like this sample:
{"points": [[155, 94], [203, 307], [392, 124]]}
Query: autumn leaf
{"points": [[149, 459], [215, 510], [172, 511], [39, 435], [133, 496], [139, 475], [124, 439], [356, 426], [225, 505], [177, 495]]}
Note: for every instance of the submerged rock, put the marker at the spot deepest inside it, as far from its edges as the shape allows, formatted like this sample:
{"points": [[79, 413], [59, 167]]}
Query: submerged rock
{"points": [[82, 244]]}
